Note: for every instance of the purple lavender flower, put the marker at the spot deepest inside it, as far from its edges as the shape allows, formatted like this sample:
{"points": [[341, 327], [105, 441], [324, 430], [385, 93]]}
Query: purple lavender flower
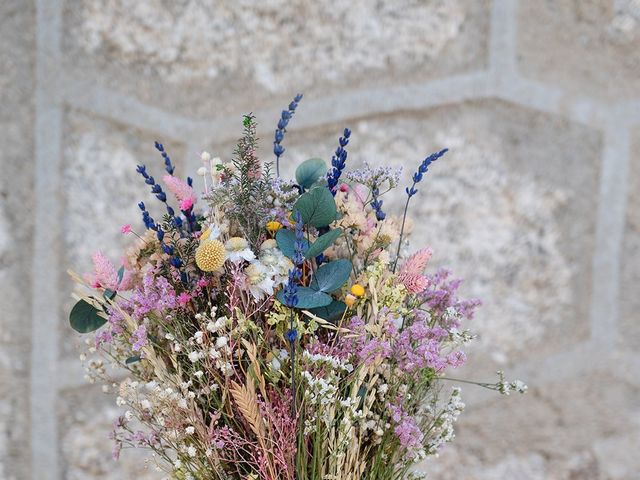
{"points": [[338, 162], [285, 116]]}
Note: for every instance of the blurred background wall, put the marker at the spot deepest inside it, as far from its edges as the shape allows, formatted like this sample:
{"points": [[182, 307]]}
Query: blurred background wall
{"points": [[537, 204]]}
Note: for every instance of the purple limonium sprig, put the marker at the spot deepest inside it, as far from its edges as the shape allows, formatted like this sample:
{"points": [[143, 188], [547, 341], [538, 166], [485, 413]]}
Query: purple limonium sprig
{"points": [[411, 191], [168, 166], [338, 162], [285, 116]]}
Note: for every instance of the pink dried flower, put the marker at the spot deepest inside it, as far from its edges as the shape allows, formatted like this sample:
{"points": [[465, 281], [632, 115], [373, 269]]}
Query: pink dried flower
{"points": [[180, 189], [139, 338], [410, 274], [106, 275], [184, 298], [417, 262], [415, 283], [126, 228], [186, 204]]}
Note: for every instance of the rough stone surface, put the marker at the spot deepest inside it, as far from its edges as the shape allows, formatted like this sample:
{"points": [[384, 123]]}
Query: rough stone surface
{"points": [[17, 52], [513, 207], [493, 211], [630, 276], [559, 430], [99, 174], [255, 51], [596, 45], [87, 417]]}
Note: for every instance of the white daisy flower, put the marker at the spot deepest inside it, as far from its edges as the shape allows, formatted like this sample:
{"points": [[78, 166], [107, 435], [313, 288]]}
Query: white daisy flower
{"points": [[259, 280], [273, 258], [212, 232], [238, 250]]}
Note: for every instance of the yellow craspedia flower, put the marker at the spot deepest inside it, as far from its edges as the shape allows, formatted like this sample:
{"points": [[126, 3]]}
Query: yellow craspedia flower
{"points": [[357, 290], [273, 226], [210, 255]]}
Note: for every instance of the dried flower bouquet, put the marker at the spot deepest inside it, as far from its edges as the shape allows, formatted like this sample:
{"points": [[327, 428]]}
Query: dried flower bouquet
{"points": [[271, 328]]}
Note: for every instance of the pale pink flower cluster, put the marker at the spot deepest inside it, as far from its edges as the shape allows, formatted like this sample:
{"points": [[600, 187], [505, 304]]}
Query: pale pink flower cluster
{"points": [[411, 272], [105, 274], [181, 190]]}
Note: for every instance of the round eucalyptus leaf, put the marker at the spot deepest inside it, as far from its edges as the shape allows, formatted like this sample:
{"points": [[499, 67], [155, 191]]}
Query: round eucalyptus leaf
{"points": [[310, 171]]}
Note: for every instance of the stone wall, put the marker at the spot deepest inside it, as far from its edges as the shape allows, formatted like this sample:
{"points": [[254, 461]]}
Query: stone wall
{"points": [[538, 203]]}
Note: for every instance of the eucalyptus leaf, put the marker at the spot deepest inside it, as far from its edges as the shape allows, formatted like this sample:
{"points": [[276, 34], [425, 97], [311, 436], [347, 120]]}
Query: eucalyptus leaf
{"points": [[331, 276], [310, 171], [109, 294], [332, 312], [120, 274], [317, 207], [286, 240], [323, 242], [85, 318], [307, 298], [133, 359]]}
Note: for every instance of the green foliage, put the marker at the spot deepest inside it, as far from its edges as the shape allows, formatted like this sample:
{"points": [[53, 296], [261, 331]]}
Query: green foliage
{"points": [[286, 240], [332, 312], [85, 318], [322, 243], [308, 298], [331, 276], [317, 207], [120, 274], [244, 192], [309, 171], [109, 294], [133, 359]]}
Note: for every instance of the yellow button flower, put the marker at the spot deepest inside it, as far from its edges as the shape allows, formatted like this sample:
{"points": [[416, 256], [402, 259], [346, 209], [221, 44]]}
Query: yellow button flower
{"points": [[210, 255], [273, 226], [357, 290]]}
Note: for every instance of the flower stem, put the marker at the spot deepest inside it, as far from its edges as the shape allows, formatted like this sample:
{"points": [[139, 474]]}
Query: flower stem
{"points": [[404, 220]]}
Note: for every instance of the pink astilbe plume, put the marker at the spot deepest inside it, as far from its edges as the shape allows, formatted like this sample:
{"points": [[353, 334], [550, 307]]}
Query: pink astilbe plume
{"points": [[410, 274], [181, 190], [105, 274]]}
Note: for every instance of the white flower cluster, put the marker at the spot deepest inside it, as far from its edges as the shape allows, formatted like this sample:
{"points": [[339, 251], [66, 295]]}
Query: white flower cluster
{"points": [[268, 272], [209, 345], [283, 193], [376, 177], [334, 362], [322, 391], [151, 400], [505, 387], [443, 427]]}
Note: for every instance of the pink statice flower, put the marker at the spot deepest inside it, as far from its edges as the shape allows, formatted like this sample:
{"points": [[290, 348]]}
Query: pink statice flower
{"points": [[442, 294], [407, 431], [155, 294], [183, 299], [181, 190], [139, 338], [125, 229]]}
